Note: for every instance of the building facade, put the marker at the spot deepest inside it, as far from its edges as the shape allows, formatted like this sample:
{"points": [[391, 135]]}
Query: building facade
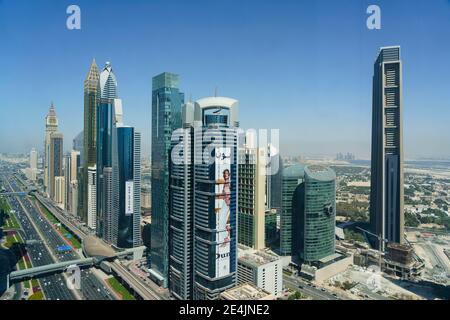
{"points": [[60, 191], [215, 196], [55, 164], [51, 126], [89, 153], [166, 117], [387, 180], [91, 196], [291, 179], [314, 215], [262, 269], [252, 196], [126, 187]]}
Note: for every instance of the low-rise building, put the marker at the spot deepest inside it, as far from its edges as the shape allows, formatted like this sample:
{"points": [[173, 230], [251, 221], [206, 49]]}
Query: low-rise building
{"points": [[262, 268], [246, 292]]}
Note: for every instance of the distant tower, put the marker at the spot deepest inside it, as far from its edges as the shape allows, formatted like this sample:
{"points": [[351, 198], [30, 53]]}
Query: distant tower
{"points": [[55, 164], [88, 153], [33, 159], [51, 126], [386, 196], [166, 117]]}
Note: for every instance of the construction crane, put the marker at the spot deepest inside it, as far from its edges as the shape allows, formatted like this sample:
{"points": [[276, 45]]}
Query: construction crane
{"points": [[381, 242]]}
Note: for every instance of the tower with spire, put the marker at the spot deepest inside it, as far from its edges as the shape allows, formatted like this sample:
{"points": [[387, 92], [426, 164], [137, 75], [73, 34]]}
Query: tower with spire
{"points": [[51, 126], [91, 85]]}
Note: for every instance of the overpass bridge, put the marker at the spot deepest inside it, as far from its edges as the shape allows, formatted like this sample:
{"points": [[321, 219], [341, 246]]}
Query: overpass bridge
{"points": [[14, 193]]}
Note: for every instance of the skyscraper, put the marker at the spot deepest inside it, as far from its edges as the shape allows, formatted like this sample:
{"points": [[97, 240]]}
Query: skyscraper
{"points": [[109, 114], [91, 192], [166, 117], [386, 196], [89, 154], [55, 163], [203, 200], [51, 126], [181, 208], [292, 177], [126, 187], [33, 159], [31, 172], [252, 195], [314, 215], [215, 196], [67, 178], [60, 191]]}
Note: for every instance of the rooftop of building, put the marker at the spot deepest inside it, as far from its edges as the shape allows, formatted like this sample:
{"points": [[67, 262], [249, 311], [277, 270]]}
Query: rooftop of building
{"points": [[320, 173], [294, 171], [256, 258], [246, 292]]}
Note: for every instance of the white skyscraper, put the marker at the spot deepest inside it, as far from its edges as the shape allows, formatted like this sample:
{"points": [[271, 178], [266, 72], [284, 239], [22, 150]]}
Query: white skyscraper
{"points": [[33, 159], [91, 196]]}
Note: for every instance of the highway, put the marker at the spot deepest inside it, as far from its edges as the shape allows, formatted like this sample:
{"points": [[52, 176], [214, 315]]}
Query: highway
{"points": [[91, 287], [53, 287], [141, 288]]}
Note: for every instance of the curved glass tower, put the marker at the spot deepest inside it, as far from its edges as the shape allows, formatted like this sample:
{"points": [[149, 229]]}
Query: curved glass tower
{"points": [[313, 222]]}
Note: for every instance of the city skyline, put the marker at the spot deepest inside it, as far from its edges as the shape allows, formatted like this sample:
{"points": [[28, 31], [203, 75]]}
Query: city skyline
{"points": [[259, 189], [309, 67]]}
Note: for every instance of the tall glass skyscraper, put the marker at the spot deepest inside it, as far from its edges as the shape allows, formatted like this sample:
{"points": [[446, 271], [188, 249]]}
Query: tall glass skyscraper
{"points": [[88, 152], [314, 215], [166, 117], [126, 187], [109, 115], [387, 181]]}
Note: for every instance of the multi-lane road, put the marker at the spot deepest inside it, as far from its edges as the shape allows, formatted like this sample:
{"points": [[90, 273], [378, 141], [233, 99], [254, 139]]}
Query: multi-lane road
{"points": [[36, 227], [308, 288]]}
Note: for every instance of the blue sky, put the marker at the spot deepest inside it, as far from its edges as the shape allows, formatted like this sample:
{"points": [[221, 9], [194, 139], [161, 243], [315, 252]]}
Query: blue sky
{"points": [[302, 66]]}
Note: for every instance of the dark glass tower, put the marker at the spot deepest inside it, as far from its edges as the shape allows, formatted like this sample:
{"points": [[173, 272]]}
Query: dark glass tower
{"points": [[386, 197], [291, 178], [166, 117], [126, 187]]}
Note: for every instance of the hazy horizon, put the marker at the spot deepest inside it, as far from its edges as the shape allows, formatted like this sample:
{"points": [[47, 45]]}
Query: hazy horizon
{"points": [[304, 67]]}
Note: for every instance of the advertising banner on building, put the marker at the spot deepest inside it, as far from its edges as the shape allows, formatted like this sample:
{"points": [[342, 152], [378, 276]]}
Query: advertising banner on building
{"points": [[129, 197], [222, 209]]}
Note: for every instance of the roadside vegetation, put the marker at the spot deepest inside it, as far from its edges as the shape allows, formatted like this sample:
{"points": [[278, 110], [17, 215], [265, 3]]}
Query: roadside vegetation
{"points": [[120, 289], [65, 233]]}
